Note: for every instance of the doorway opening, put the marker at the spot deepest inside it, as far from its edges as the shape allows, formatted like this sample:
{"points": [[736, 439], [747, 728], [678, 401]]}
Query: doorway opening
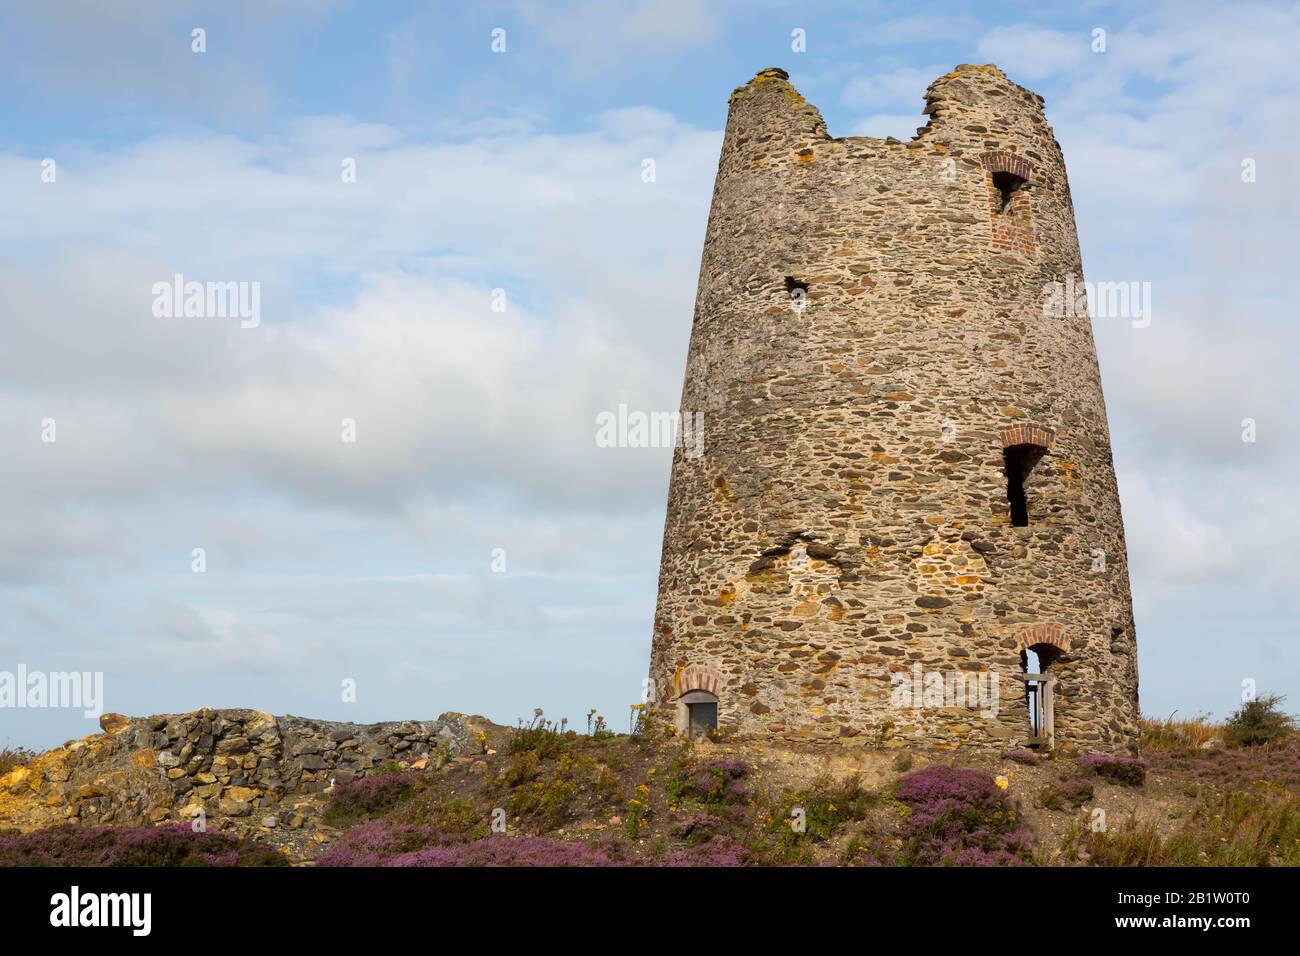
{"points": [[1036, 665], [701, 712]]}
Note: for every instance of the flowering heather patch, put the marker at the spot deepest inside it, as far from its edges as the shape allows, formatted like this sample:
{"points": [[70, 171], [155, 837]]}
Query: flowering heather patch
{"points": [[172, 845], [380, 843], [718, 781], [959, 818], [386, 843], [506, 851], [939, 786], [717, 851], [376, 842], [1129, 771], [1076, 791], [698, 826], [367, 797], [1026, 757]]}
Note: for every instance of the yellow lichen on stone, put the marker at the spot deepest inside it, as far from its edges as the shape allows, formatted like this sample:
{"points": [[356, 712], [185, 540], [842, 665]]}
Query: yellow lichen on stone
{"points": [[16, 780], [145, 759]]}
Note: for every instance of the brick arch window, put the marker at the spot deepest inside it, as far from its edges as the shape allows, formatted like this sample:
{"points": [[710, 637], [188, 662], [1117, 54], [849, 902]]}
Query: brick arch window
{"points": [[1040, 646], [1046, 635], [697, 687], [1022, 447], [1008, 177]]}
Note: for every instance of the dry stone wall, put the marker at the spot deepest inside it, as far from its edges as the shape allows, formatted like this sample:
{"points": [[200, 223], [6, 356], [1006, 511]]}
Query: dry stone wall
{"points": [[869, 325], [244, 769]]}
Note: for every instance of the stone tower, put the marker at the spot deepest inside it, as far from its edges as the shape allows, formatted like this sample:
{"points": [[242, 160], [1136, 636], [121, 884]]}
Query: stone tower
{"points": [[906, 495]]}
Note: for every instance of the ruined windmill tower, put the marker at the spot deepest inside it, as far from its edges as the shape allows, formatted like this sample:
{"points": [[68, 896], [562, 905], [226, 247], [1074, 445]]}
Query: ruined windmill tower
{"points": [[907, 469]]}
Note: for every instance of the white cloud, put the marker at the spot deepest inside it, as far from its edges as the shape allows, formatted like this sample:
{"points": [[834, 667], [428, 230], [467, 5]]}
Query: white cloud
{"points": [[927, 28], [1168, 543], [595, 36], [475, 428], [1032, 53], [901, 87]]}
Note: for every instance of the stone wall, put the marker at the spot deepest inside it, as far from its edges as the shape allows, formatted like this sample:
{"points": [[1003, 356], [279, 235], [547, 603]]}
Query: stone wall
{"points": [[849, 517], [244, 769]]}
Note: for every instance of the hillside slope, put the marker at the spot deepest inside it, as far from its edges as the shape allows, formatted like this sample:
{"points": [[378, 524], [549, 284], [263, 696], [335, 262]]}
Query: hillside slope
{"points": [[460, 790]]}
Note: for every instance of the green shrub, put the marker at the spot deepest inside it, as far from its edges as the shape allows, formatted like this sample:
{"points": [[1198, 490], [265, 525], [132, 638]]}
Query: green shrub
{"points": [[438, 811], [541, 736], [524, 767], [1259, 721], [822, 808], [352, 801], [547, 803], [550, 797]]}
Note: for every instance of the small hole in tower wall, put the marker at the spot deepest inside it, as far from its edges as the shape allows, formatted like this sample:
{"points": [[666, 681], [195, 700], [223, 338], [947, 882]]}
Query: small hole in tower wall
{"points": [[1006, 184], [1019, 460], [792, 285]]}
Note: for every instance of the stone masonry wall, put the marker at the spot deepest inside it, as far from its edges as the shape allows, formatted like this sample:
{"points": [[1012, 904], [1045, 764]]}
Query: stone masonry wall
{"points": [[245, 769], [849, 518]]}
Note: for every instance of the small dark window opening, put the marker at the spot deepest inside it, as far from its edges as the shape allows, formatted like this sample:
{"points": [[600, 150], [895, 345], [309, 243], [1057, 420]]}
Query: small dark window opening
{"points": [[1019, 461], [701, 712], [1006, 184], [792, 284]]}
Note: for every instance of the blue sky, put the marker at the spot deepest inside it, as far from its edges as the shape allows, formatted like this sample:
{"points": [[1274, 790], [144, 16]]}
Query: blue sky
{"points": [[521, 171]]}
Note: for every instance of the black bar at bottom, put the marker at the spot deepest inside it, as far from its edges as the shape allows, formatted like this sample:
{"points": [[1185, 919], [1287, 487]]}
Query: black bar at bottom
{"points": [[393, 903]]}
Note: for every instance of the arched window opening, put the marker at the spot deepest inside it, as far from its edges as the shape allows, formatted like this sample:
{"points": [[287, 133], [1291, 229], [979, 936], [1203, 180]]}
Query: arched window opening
{"points": [[1035, 664], [1006, 184], [1009, 179], [701, 712]]}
